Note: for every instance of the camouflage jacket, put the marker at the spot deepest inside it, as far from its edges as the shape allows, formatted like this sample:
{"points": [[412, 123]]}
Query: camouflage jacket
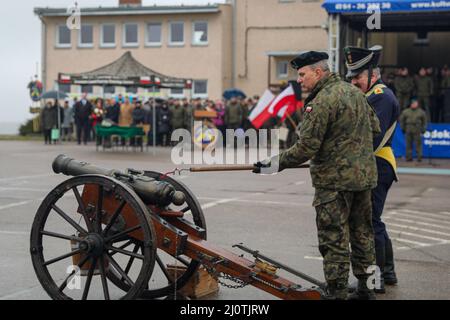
{"points": [[233, 114], [337, 135], [404, 84], [413, 120], [424, 86], [177, 117]]}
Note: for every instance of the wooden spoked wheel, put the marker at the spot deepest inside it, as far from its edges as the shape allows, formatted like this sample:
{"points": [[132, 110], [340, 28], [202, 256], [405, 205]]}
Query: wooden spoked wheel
{"points": [[77, 244], [163, 283]]}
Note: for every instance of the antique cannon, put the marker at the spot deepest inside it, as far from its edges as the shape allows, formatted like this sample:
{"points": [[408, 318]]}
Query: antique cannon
{"points": [[135, 234]]}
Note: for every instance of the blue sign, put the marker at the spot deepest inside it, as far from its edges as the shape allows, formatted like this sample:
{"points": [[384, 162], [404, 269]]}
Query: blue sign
{"points": [[363, 6], [435, 142]]}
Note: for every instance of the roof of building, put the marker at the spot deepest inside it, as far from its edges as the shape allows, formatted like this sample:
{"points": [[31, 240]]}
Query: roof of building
{"points": [[125, 66], [128, 10], [125, 69]]}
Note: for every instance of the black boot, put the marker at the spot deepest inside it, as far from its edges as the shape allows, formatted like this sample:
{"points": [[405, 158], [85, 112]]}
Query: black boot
{"points": [[362, 291], [380, 256], [335, 291], [390, 278]]}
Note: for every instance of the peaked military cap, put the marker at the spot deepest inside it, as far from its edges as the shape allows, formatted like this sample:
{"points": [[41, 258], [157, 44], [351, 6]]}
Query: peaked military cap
{"points": [[359, 59], [308, 58]]}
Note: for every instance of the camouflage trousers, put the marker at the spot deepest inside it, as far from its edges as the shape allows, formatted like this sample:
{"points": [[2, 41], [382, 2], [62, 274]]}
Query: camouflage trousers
{"points": [[344, 219], [413, 138]]}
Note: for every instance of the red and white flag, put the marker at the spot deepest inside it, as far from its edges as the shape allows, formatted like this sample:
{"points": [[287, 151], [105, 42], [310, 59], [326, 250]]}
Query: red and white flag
{"points": [[260, 113], [284, 99], [289, 110], [145, 80]]}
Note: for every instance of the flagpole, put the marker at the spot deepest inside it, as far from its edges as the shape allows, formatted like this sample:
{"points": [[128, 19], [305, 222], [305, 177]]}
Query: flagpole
{"points": [[291, 120]]}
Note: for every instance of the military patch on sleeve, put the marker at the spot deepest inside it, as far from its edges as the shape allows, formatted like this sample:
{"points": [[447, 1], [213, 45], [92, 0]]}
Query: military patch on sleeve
{"points": [[378, 91], [308, 109]]}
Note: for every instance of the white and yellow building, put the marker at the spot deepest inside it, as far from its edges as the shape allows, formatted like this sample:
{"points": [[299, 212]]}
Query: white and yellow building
{"points": [[242, 43]]}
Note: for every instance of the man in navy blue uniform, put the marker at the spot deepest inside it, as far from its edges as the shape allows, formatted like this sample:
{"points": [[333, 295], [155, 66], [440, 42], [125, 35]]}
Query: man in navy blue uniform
{"points": [[364, 73]]}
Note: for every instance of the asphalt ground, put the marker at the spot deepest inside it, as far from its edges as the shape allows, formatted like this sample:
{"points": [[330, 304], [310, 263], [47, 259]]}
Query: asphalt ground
{"points": [[272, 214]]}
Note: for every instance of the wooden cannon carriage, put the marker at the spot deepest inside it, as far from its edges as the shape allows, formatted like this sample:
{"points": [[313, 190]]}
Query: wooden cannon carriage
{"points": [[112, 234]]}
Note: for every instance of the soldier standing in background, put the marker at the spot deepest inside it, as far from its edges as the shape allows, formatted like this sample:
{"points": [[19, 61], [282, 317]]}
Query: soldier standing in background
{"points": [[413, 122], [444, 95], [364, 73], [233, 115], [336, 134], [434, 93], [188, 116], [245, 111], [176, 116], [424, 86], [404, 87]]}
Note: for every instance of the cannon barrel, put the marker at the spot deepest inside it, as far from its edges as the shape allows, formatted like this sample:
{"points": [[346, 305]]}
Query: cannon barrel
{"points": [[149, 190]]}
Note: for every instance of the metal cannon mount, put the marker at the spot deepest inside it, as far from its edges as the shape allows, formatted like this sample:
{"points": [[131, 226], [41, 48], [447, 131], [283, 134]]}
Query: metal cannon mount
{"points": [[113, 235]]}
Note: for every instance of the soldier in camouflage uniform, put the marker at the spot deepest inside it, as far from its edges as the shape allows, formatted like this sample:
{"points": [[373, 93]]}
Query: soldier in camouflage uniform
{"points": [[188, 116], [424, 85], [336, 134], [176, 116], [404, 87], [413, 122], [234, 114]]}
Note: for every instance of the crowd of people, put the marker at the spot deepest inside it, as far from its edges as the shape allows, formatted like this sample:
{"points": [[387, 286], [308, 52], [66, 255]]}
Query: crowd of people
{"points": [[428, 86], [79, 118]]}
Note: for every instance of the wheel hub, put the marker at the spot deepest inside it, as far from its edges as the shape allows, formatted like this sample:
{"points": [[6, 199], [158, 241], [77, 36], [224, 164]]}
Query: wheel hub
{"points": [[93, 244]]}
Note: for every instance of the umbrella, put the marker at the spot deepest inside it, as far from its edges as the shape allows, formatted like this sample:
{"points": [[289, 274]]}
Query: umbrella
{"points": [[54, 95], [231, 93]]}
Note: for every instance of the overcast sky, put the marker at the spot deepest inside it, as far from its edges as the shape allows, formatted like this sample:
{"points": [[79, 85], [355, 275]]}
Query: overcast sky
{"points": [[20, 35]]}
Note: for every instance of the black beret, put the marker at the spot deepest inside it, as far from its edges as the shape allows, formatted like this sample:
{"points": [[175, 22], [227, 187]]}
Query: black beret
{"points": [[308, 58]]}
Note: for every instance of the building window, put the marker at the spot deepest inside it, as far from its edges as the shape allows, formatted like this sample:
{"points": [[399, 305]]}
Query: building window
{"points": [[154, 90], [282, 69], [87, 88], [86, 36], [130, 35], [154, 34], [176, 92], [200, 89], [63, 37], [132, 90], [176, 36], [109, 90], [200, 33], [64, 87], [108, 36]]}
